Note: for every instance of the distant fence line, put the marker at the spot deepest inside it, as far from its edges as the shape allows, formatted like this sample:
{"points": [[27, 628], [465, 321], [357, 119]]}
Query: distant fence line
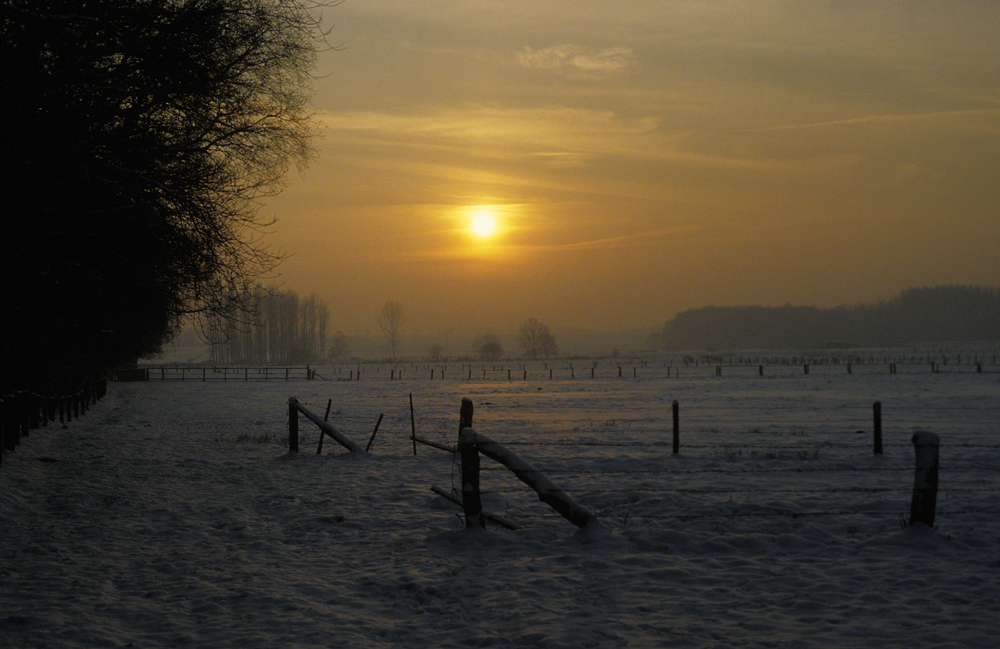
{"points": [[675, 366], [22, 411], [215, 373], [552, 371]]}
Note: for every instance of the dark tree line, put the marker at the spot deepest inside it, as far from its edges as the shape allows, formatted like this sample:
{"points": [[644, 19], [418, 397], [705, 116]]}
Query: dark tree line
{"points": [[283, 329], [917, 315], [137, 136]]}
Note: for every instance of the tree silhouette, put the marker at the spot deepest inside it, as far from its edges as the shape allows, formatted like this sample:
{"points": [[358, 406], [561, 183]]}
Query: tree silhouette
{"points": [[139, 136], [390, 321], [488, 347], [535, 338]]}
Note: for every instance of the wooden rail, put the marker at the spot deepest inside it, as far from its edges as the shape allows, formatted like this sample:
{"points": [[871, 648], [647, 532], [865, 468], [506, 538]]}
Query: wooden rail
{"points": [[326, 428], [471, 444]]}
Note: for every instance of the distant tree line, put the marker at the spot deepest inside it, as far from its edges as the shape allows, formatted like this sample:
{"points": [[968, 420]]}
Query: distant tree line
{"points": [[282, 329], [917, 315]]}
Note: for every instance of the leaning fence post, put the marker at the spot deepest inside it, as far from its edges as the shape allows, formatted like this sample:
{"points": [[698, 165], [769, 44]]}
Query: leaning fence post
{"points": [[371, 439], [877, 426], [924, 502], [293, 425], [677, 427], [413, 427], [319, 447]]}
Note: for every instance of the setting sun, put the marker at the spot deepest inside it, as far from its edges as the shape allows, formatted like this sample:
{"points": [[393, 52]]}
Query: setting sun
{"points": [[484, 224]]}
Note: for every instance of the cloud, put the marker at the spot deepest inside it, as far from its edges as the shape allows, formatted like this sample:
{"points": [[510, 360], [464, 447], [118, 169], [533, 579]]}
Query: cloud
{"points": [[577, 57]]}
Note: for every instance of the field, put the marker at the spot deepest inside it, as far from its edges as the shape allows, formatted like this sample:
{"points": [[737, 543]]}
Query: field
{"points": [[173, 515]]}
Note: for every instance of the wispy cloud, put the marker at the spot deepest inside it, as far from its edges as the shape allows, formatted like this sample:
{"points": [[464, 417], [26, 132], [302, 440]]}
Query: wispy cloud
{"points": [[577, 57], [897, 118]]}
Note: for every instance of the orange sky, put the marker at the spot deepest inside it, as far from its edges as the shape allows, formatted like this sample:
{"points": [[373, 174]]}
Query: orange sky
{"points": [[644, 157]]}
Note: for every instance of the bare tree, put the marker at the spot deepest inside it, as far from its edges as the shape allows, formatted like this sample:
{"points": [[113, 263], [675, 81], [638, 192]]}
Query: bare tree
{"points": [[390, 320], [535, 338], [488, 347], [339, 351]]}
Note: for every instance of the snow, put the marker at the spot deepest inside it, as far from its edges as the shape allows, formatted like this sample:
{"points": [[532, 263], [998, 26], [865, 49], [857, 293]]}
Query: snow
{"points": [[174, 516]]}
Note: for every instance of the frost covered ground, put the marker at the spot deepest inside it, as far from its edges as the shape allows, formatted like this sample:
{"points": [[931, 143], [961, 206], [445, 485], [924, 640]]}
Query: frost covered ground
{"points": [[172, 515]]}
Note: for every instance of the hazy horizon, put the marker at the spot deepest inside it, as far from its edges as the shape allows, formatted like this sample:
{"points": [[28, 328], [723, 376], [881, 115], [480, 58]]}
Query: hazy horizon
{"points": [[643, 159]]}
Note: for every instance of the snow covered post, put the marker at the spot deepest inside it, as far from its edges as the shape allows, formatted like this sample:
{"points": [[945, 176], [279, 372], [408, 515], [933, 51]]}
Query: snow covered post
{"points": [[926, 482], [293, 425], [877, 426], [472, 502]]}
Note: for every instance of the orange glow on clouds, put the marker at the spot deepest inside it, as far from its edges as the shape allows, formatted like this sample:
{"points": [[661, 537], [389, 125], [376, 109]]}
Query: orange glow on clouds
{"points": [[610, 171]]}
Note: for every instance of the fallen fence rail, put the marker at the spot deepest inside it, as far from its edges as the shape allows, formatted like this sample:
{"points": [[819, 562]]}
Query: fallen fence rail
{"points": [[326, 428], [471, 444]]}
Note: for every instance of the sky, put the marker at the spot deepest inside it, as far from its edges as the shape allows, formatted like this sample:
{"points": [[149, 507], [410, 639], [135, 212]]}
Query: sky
{"points": [[643, 157]]}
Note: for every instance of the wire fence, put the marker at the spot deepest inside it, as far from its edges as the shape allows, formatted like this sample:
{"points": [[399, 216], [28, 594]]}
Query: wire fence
{"points": [[736, 461]]}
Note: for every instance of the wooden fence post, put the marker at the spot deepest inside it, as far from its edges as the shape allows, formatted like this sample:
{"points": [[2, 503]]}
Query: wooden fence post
{"points": [[413, 427], [319, 447], [924, 502], [293, 425], [877, 426], [677, 427], [24, 412], [471, 500], [6, 430], [374, 432], [465, 414]]}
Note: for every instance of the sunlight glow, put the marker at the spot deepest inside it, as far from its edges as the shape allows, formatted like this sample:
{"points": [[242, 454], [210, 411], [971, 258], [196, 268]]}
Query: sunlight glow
{"points": [[483, 223]]}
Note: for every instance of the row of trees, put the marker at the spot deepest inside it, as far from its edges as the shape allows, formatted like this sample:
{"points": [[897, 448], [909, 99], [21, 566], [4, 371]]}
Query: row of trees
{"points": [[917, 315], [137, 139], [282, 329], [533, 337]]}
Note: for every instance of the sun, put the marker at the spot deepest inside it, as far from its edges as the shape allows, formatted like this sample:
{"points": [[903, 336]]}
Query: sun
{"points": [[483, 224]]}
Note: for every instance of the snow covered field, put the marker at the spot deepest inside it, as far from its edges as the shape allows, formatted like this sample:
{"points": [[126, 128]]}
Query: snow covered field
{"points": [[172, 515]]}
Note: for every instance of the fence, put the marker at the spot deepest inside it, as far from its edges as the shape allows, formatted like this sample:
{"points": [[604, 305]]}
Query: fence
{"points": [[706, 365], [22, 412], [796, 459], [472, 444], [214, 373], [294, 408]]}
